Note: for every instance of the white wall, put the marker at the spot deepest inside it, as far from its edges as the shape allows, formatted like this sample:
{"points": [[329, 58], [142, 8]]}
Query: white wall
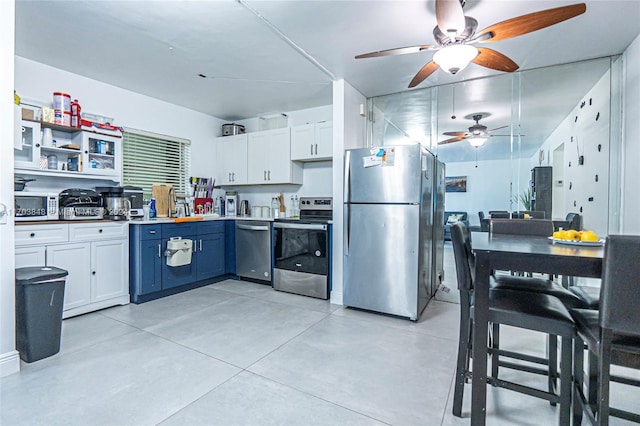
{"points": [[581, 132], [488, 186], [348, 132], [9, 360], [631, 140], [37, 82]]}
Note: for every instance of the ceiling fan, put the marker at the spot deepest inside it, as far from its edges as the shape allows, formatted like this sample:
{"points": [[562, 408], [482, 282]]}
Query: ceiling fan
{"points": [[477, 134], [455, 34]]}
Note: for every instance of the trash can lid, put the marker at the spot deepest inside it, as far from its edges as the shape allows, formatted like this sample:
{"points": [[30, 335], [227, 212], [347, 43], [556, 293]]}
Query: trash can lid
{"points": [[39, 274]]}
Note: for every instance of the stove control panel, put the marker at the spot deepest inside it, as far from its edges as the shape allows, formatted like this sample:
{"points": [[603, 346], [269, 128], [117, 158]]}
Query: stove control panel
{"points": [[312, 203]]}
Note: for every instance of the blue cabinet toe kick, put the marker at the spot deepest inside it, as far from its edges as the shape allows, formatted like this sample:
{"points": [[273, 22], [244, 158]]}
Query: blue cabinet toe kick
{"points": [[142, 298]]}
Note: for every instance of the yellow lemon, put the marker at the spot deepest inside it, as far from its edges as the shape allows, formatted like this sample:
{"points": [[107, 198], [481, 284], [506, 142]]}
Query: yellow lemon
{"points": [[573, 235], [560, 235], [588, 236]]}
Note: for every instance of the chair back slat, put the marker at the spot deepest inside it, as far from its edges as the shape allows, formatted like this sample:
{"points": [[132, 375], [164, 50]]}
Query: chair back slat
{"points": [[499, 214], [539, 227], [464, 258], [620, 291]]}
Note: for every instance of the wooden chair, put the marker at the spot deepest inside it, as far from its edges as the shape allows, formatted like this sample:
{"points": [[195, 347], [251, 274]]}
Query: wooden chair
{"points": [[612, 335], [532, 311]]}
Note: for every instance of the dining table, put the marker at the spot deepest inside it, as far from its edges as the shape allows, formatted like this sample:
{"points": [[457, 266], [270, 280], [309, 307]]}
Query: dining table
{"points": [[506, 252]]}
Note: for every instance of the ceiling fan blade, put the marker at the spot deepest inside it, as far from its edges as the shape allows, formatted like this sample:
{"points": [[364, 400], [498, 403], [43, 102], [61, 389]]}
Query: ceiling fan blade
{"points": [[528, 23], [424, 72], [455, 133], [396, 51], [495, 60], [497, 128], [451, 140], [450, 16]]}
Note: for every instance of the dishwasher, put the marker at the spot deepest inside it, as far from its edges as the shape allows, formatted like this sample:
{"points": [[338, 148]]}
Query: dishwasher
{"points": [[253, 250]]}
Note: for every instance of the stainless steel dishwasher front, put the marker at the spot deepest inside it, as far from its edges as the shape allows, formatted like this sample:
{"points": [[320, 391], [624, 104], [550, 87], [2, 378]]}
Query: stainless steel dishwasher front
{"points": [[253, 250]]}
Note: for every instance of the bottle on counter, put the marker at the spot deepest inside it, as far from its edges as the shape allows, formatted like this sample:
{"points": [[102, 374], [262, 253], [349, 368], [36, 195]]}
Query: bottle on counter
{"points": [[221, 206], [152, 209], [296, 207], [275, 208]]}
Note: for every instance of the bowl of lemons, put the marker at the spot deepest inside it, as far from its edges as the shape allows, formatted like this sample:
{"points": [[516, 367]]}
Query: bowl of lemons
{"points": [[580, 238]]}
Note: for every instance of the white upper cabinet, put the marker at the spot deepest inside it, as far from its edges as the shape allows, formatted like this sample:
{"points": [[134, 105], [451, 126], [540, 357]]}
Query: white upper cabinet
{"points": [[312, 142], [26, 152], [269, 158], [231, 160], [67, 152]]}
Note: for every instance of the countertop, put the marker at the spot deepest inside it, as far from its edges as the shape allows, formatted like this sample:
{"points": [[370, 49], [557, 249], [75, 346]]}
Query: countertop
{"points": [[156, 221]]}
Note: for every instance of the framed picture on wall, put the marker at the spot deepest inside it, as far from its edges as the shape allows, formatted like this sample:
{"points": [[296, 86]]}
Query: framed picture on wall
{"points": [[455, 184]]}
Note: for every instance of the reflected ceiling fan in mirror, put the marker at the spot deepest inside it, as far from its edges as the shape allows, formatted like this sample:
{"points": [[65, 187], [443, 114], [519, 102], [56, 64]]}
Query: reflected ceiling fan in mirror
{"points": [[477, 135], [455, 35]]}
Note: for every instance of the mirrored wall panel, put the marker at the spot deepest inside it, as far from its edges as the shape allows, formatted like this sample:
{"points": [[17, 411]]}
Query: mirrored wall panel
{"points": [[531, 140]]}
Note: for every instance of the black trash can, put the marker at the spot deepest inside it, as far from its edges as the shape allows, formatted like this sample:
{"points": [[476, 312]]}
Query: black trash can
{"points": [[39, 300]]}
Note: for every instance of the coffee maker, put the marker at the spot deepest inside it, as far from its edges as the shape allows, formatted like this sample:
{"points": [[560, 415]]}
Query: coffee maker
{"points": [[134, 194], [116, 206], [231, 203]]}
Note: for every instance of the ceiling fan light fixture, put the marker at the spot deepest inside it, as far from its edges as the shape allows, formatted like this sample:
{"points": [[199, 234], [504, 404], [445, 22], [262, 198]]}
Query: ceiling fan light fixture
{"points": [[455, 58], [477, 141]]}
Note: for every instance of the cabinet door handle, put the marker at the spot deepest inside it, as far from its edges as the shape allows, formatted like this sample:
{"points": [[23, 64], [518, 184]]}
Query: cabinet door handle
{"points": [[269, 175], [152, 232], [159, 254], [100, 231], [93, 272], [229, 176], [33, 234], [233, 176], [316, 149], [200, 245], [264, 173], [311, 145]]}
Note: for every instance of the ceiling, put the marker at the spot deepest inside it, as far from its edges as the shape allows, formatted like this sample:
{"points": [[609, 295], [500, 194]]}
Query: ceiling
{"points": [[246, 58]]}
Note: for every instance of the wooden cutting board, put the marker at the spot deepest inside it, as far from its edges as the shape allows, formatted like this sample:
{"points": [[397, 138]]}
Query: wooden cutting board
{"points": [[161, 192]]}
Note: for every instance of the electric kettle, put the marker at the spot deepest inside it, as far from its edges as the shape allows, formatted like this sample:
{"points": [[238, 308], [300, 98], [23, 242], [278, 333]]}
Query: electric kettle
{"points": [[244, 208]]}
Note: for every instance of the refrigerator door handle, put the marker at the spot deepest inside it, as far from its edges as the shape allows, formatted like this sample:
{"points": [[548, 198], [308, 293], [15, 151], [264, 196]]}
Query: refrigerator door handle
{"points": [[348, 231], [347, 177]]}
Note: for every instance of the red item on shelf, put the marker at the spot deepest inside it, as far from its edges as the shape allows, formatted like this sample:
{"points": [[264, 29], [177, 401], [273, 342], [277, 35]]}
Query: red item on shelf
{"points": [[76, 120]]}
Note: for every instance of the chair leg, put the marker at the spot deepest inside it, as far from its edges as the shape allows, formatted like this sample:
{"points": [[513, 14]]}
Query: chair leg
{"points": [[604, 365], [578, 379], [552, 357], [495, 344], [565, 380], [462, 365], [592, 396]]}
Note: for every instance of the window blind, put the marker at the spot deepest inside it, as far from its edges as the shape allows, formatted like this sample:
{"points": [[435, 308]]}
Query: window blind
{"points": [[150, 158]]}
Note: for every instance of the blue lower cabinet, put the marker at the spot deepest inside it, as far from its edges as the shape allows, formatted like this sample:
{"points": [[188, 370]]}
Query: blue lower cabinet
{"points": [[150, 277], [210, 256], [150, 266], [230, 247]]}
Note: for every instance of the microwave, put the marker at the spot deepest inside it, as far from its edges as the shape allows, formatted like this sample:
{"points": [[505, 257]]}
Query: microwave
{"points": [[34, 206]]}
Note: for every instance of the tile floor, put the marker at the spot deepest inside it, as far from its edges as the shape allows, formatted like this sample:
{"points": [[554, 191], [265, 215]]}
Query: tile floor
{"points": [[239, 353]]}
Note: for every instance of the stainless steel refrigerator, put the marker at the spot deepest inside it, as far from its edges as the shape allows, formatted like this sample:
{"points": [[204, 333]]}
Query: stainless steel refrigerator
{"points": [[389, 233]]}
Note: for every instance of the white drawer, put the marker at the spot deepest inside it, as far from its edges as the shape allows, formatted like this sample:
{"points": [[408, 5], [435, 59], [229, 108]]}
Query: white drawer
{"points": [[97, 231], [41, 234]]}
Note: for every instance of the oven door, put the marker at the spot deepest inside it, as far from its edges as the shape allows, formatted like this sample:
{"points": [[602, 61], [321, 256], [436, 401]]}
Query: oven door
{"points": [[301, 259]]}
